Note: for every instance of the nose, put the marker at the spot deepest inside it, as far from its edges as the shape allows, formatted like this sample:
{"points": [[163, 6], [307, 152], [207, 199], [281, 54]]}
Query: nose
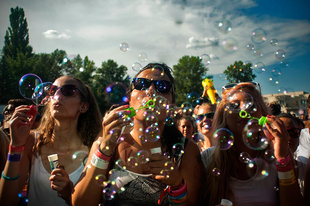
{"points": [[57, 94], [151, 91]]}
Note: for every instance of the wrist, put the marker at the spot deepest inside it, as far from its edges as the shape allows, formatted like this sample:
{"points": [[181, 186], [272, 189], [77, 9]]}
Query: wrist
{"points": [[16, 148]]}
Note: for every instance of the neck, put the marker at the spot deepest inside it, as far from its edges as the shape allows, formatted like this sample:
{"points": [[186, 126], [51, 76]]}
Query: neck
{"points": [[65, 135]]}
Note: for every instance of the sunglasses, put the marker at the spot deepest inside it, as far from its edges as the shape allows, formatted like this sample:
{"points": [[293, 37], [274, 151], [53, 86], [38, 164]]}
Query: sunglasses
{"points": [[209, 115], [66, 90], [231, 85], [293, 132], [161, 86]]}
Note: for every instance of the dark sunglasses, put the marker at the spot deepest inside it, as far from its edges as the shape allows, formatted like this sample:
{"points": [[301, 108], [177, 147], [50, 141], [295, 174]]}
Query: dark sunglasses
{"points": [[66, 90], [231, 85], [209, 115], [161, 86], [293, 132]]}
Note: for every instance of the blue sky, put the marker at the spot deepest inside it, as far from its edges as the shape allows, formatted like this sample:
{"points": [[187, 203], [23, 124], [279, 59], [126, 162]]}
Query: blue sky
{"points": [[166, 30]]}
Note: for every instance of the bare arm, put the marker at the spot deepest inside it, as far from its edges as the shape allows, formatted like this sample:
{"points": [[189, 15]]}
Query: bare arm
{"points": [[20, 127]]}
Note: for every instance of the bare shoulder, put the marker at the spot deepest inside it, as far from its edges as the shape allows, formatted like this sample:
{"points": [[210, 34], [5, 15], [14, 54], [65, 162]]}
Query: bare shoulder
{"points": [[191, 155]]}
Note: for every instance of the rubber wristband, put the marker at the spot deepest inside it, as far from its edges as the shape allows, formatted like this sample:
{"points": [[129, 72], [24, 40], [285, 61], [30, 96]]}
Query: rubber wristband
{"points": [[284, 168], [285, 160], [286, 175], [99, 163], [9, 178], [175, 193], [102, 156], [16, 149], [14, 157]]}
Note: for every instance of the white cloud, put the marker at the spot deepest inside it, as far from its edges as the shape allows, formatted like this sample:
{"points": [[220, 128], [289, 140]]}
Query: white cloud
{"points": [[53, 34], [205, 42]]}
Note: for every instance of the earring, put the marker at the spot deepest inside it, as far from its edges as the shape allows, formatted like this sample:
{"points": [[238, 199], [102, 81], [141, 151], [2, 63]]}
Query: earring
{"points": [[81, 110]]}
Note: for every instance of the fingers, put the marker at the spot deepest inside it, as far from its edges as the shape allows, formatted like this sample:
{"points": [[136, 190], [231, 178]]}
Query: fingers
{"points": [[60, 171]]}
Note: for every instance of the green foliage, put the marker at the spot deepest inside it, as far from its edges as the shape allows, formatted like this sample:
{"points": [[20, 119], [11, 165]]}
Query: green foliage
{"points": [[16, 56], [239, 72], [188, 74]]}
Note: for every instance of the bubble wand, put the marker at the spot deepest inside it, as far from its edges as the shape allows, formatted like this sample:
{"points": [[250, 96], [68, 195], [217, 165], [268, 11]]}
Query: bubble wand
{"points": [[33, 108], [261, 121], [132, 111]]}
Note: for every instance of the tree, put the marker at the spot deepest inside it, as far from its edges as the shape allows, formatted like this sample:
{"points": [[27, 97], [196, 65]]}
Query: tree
{"points": [[188, 74], [239, 72], [108, 73], [16, 55]]}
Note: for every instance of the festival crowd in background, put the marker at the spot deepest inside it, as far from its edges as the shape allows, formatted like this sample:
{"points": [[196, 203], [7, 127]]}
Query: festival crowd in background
{"points": [[230, 150]]}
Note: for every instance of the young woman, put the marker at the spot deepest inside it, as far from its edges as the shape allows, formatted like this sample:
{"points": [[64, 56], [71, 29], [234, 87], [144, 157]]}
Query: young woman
{"points": [[70, 123], [274, 181], [205, 113], [147, 182]]}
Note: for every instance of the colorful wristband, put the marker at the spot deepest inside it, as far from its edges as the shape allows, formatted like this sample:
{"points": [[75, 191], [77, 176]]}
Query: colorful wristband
{"points": [[284, 161], [16, 149], [175, 193], [286, 175], [14, 157], [9, 178], [102, 156], [284, 168], [99, 163]]}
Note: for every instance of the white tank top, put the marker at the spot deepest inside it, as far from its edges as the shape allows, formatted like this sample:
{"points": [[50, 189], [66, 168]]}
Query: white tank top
{"points": [[40, 192]]}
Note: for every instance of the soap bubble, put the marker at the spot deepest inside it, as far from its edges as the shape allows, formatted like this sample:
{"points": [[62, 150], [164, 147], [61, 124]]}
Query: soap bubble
{"points": [[152, 133], [258, 169], [116, 93], [124, 47], [192, 97], [284, 63], [224, 26], [269, 155], [229, 45], [280, 54], [245, 157], [250, 47], [205, 59], [224, 138], [259, 67], [259, 36], [143, 156], [233, 102], [27, 85], [274, 81], [80, 156], [151, 120], [216, 172], [276, 71], [165, 173], [161, 101], [100, 179], [142, 57], [121, 163], [157, 72], [254, 136], [274, 42], [169, 165], [169, 121], [177, 149], [222, 77], [258, 53], [42, 93], [197, 137], [132, 162], [136, 66]]}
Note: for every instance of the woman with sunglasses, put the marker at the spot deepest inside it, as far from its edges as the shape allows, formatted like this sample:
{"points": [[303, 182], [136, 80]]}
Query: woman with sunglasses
{"points": [[70, 123], [165, 176], [205, 113], [242, 174]]}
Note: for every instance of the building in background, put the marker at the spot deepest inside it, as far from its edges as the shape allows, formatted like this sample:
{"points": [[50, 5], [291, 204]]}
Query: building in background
{"points": [[291, 102]]}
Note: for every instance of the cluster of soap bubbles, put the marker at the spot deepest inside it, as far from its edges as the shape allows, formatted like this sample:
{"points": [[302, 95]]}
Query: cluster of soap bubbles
{"points": [[116, 93], [32, 88]]}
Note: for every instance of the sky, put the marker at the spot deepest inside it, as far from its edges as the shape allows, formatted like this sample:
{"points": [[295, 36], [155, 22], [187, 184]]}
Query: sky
{"points": [[273, 35]]}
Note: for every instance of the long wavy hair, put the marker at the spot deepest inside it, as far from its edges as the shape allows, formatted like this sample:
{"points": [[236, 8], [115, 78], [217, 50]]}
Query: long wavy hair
{"points": [[216, 188], [89, 123]]}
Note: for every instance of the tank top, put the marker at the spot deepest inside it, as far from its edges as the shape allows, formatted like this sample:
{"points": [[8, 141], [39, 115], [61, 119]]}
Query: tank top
{"points": [[40, 192]]}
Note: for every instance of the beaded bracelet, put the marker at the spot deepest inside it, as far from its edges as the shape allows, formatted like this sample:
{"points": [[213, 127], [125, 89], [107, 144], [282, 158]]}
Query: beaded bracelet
{"points": [[14, 157], [9, 178], [16, 149]]}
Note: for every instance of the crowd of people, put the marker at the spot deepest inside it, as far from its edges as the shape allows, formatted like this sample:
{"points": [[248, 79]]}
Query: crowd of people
{"points": [[237, 151]]}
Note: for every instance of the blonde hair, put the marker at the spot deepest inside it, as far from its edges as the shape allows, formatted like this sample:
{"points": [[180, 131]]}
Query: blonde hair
{"points": [[216, 188], [89, 123]]}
